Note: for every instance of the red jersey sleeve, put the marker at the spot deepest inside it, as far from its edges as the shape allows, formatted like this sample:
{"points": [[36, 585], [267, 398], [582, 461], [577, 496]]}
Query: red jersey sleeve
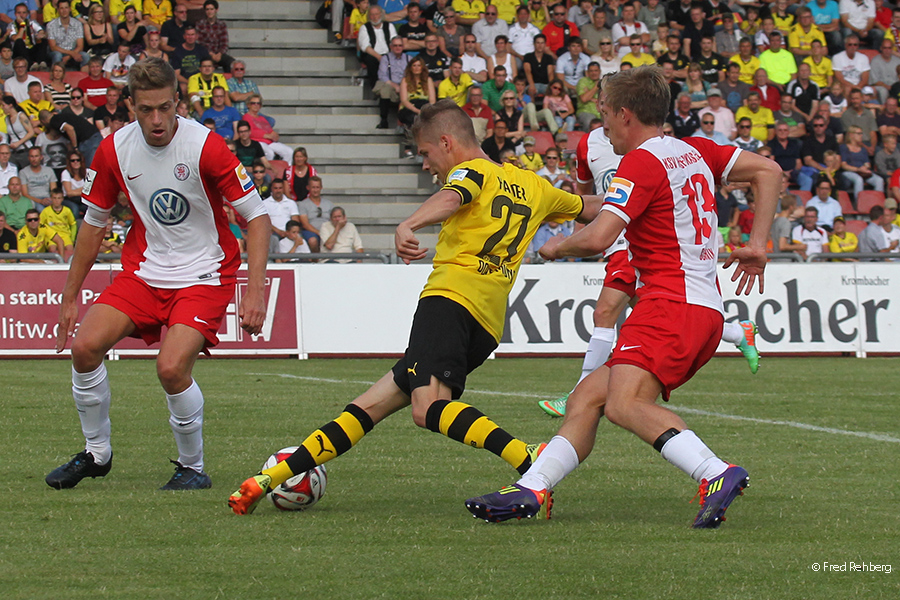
{"points": [[582, 170], [103, 180], [639, 180], [222, 171], [719, 158]]}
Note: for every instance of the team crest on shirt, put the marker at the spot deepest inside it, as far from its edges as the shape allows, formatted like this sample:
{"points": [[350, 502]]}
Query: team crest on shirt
{"points": [[458, 175], [619, 191], [182, 171], [88, 181], [168, 207], [243, 178]]}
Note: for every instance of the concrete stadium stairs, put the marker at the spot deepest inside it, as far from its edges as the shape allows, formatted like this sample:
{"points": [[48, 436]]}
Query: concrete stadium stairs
{"points": [[309, 85]]}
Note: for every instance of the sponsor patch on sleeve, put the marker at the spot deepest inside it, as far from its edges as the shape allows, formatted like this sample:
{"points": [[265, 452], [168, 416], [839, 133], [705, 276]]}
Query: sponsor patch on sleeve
{"points": [[619, 191], [458, 175], [243, 178], [89, 176]]}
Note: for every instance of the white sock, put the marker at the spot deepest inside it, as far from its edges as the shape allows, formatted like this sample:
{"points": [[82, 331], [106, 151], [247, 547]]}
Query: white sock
{"points": [[92, 400], [556, 461], [598, 350], [688, 452], [186, 419], [732, 332]]}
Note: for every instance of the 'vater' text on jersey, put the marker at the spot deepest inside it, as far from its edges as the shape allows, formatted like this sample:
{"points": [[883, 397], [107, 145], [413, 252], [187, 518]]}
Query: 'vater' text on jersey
{"points": [[180, 235], [665, 192]]}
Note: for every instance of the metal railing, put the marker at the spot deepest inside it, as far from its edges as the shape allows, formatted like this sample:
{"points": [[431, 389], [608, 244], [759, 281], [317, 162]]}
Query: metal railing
{"points": [[864, 256], [381, 257], [18, 258]]}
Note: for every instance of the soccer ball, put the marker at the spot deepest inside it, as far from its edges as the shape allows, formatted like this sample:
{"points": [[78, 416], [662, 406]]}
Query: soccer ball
{"points": [[300, 491]]}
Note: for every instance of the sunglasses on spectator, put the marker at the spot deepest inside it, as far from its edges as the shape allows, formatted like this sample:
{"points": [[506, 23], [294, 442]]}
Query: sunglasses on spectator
{"points": [[606, 43], [491, 13], [255, 102], [32, 219], [549, 157], [559, 14], [634, 44], [743, 126], [709, 122], [74, 159], [259, 172]]}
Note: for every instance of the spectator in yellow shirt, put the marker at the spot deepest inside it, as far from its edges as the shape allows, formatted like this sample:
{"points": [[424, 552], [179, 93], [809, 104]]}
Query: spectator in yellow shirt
{"points": [[200, 86], [157, 11], [61, 220], [841, 239], [358, 18], [803, 33], [468, 12], [456, 85], [821, 72], [34, 237], [748, 63], [762, 118]]}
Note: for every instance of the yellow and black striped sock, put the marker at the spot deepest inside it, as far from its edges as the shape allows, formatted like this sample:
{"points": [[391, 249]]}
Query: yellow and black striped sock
{"points": [[329, 441], [466, 424]]}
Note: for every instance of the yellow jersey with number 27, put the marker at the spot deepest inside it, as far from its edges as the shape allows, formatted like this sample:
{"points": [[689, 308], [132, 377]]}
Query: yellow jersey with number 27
{"points": [[481, 246]]}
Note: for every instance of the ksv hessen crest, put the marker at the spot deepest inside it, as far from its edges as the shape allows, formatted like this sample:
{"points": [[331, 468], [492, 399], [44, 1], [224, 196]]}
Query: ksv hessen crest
{"points": [[169, 207]]}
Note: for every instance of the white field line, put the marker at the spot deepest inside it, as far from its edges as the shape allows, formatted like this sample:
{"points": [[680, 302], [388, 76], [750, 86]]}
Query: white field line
{"points": [[693, 411]]}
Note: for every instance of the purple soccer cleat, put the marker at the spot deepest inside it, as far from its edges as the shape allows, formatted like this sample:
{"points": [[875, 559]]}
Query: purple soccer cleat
{"points": [[511, 502], [717, 494]]}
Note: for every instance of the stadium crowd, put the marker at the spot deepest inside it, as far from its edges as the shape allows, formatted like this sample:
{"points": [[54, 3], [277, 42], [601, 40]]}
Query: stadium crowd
{"points": [[812, 85], [64, 68]]}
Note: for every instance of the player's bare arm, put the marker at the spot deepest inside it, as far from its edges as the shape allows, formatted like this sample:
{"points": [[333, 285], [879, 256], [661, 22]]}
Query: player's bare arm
{"points": [[87, 247], [764, 177], [590, 241], [253, 305], [437, 209], [592, 206]]}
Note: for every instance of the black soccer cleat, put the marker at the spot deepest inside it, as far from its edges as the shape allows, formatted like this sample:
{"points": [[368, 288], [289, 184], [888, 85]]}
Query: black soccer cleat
{"points": [[82, 465], [186, 478]]}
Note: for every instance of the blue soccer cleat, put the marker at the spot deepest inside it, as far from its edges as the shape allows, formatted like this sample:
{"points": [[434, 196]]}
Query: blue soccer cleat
{"points": [[717, 494], [186, 478], [82, 465], [511, 502]]}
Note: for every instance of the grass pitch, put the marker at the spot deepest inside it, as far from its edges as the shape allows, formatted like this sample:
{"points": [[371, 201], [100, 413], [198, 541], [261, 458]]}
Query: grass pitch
{"points": [[392, 522]]}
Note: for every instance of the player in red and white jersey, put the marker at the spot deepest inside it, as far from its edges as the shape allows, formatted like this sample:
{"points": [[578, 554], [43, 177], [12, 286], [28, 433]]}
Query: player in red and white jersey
{"points": [[662, 195], [595, 167], [179, 264]]}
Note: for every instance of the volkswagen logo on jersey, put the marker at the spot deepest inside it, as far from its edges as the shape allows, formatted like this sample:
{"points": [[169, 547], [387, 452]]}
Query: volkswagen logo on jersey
{"points": [[618, 191], [607, 179], [169, 207]]}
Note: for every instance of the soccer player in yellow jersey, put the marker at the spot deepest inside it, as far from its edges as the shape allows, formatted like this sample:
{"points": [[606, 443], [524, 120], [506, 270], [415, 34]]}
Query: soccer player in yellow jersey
{"points": [[489, 213], [35, 237], [61, 220]]}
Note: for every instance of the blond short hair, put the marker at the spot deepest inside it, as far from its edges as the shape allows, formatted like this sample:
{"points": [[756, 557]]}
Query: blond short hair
{"points": [[642, 90]]}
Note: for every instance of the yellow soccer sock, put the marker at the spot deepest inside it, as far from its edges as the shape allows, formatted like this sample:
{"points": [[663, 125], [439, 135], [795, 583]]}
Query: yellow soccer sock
{"points": [[329, 441], [467, 424]]}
